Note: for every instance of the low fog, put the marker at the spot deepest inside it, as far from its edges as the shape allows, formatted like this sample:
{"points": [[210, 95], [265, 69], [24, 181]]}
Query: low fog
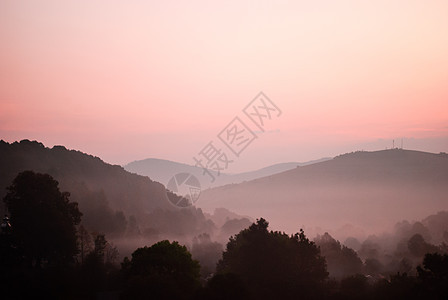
{"points": [[356, 194]]}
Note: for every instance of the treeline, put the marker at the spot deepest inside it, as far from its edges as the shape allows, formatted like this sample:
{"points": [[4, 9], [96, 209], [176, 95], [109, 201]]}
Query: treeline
{"points": [[400, 250], [113, 201], [46, 253], [109, 197]]}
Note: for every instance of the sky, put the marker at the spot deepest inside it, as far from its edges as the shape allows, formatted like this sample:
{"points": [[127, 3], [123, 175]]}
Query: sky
{"points": [[128, 80]]}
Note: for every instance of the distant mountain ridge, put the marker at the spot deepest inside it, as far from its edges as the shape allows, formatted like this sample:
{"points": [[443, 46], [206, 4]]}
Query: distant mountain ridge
{"points": [[162, 171], [364, 189], [109, 197], [354, 190], [112, 200], [70, 166]]}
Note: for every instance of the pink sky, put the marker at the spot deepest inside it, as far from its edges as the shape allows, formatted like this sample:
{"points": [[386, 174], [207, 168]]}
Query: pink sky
{"points": [[127, 80]]}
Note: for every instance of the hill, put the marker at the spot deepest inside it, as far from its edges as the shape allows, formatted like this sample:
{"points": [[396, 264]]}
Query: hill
{"points": [[358, 192], [112, 200], [162, 170]]}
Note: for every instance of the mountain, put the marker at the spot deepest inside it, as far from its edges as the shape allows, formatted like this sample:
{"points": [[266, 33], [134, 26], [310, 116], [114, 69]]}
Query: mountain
{"points": [[112, 200], [268, 171], [358, 192], [72, 167], [353, 194], [132, 210], [163, 170]]}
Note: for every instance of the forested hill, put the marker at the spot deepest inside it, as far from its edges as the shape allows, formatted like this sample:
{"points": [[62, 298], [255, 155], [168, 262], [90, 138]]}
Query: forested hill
{"points": [[365, 189], [107, 194]]}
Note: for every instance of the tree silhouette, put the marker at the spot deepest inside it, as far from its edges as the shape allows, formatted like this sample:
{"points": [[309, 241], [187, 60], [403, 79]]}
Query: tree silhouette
{"points": [[163, 271], [354, 287], [342, 261], [98, 269], [419, 247], [223, 287], [273, 264], [434, 275], [100, 246], [42, 218], [85, 242], [207, 253]]}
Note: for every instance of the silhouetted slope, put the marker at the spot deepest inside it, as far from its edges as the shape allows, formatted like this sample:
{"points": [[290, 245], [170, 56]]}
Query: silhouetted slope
{"points": [[97, 186], [367, 189]]}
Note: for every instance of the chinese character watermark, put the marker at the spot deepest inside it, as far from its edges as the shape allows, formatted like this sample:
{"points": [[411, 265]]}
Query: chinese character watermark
{"points": [[236, 137], [261, 109]]}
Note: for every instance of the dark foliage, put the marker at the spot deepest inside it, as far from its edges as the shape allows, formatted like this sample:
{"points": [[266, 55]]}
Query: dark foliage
{"points": [[434, 275], [273, 264], [42, 218], [207, 253], [223, 287], [163, 271], [341, 260]]}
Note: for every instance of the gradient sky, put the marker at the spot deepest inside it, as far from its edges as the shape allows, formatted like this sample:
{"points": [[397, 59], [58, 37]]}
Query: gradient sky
{"points": [[128, 80]]}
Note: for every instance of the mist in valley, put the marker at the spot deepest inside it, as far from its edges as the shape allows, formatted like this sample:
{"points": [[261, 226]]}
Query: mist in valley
{"points": [[371, 217]]}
